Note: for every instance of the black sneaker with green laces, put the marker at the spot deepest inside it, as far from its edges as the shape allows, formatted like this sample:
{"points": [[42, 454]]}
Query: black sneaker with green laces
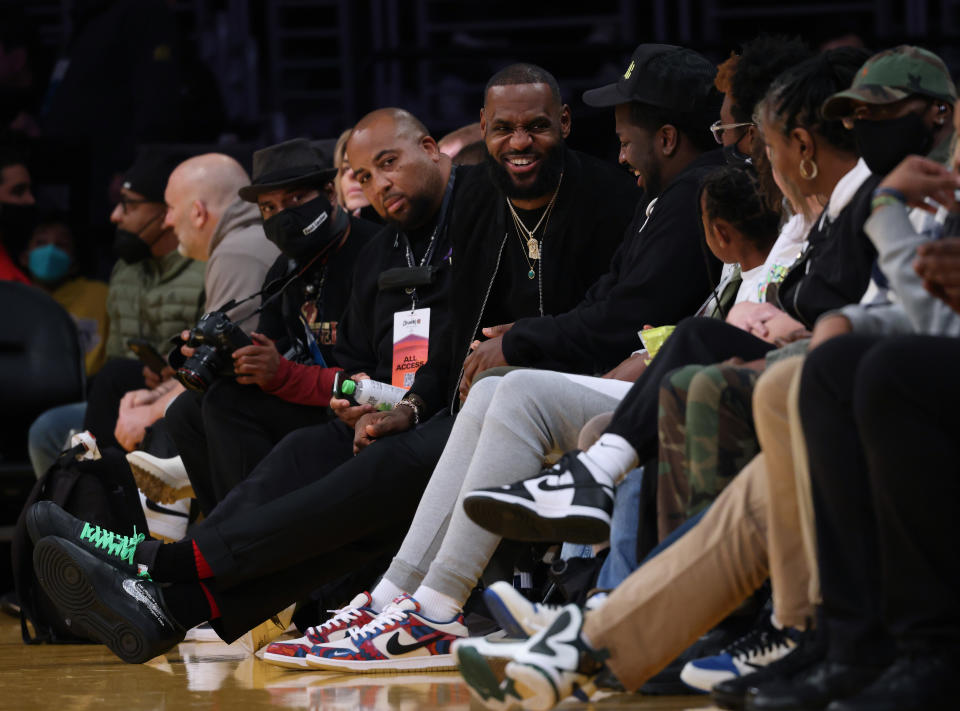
{"points": [[46, 518], [105, 603]]}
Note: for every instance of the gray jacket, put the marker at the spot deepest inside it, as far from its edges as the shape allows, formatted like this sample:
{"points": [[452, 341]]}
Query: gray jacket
{"points": [[240, 256], [915, 311]]}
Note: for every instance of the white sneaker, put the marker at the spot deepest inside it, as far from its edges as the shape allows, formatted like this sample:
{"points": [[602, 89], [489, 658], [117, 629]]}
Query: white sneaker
{"points": [[482, 662], [519, 617], [162, 480], [167, 523], [541, 672], [562, 503]]}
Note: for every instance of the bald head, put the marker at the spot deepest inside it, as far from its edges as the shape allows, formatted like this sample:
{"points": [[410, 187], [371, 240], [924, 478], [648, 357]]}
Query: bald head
{"points": [[213, 178], [399, 166], [198, 192], [399, 122]]}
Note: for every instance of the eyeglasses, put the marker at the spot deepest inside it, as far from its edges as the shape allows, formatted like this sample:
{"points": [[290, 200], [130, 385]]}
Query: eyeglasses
{"points": [[126, 202], [717, 128]]}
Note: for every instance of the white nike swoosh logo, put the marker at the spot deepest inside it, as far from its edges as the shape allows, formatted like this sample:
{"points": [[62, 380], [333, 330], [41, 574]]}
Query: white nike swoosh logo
{"points": [[134, 589]]}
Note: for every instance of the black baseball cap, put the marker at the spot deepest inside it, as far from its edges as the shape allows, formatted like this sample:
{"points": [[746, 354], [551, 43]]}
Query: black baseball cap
{"points": [[663, 75], [149, 173]]}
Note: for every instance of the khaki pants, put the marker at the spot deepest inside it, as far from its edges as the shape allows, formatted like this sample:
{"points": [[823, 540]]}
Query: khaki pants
{"points": [[793, 567], [671, 600]]}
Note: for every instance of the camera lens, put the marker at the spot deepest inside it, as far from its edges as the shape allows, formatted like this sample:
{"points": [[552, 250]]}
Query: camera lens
{"points": [[191, 379], [200, 369]]}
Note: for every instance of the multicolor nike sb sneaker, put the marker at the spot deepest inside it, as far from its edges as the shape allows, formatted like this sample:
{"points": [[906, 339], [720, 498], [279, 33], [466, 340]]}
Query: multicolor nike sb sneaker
{"points": [[399, 639], [539, 673], [293, 653], [563, 503], [46, 518]]}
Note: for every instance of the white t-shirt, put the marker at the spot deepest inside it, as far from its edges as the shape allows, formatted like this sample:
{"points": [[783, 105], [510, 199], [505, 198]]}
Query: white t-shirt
{"points": [[750, 285]]}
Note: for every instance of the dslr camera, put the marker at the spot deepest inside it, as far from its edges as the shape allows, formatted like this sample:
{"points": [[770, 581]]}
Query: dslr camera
{"points": [[215, 338]]}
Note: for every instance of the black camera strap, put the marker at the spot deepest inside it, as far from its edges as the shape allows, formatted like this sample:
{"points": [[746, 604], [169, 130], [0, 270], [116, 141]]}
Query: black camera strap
{"points": [[233, 303]]}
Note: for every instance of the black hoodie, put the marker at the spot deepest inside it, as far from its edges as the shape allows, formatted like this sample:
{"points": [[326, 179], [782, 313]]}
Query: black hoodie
{"points": [[658, 277]]}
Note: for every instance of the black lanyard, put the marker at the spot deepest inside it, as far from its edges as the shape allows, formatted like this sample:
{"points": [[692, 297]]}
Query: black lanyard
{"points": [[432, 245]]}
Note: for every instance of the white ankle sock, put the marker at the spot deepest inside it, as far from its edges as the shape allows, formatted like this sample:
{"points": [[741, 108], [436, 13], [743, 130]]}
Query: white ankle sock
{"points": [[383, 594], [436, 605], [609, 459]]}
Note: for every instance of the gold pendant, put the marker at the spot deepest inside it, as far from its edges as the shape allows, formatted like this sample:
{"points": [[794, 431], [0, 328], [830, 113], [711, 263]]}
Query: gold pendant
{"points": [[533, 248]]}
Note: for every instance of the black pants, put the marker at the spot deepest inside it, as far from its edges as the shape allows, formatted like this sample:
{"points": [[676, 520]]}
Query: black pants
{"points": [[881, 423], [115, 379], [223, 434], [337, 519], [696, 341]]}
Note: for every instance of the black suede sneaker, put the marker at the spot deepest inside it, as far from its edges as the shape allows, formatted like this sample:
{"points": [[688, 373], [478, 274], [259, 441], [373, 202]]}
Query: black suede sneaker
{"points": [[563, 503], [46, 518], [104, 603]]}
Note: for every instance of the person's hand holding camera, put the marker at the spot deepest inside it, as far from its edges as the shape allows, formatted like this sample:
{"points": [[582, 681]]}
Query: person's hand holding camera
{"points": [[256, 364], [185, 349]]}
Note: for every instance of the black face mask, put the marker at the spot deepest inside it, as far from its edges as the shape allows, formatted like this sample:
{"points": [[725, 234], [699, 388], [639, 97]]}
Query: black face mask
{"points": [[735, 158], [129, 247], [305, 231], [883, 144], [16, 223]]}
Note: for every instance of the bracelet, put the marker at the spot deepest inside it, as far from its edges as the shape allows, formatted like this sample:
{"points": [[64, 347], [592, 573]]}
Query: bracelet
{"points": [[413, 408], [891, 192], [882, 200]]}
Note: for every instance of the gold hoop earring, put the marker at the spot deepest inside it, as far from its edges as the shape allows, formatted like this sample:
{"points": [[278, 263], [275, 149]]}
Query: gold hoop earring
{"points": [[808, 173]]}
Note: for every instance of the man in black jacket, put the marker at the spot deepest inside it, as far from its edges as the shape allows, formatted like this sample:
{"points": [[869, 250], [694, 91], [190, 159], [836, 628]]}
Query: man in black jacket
{"points": [[265, 557]]}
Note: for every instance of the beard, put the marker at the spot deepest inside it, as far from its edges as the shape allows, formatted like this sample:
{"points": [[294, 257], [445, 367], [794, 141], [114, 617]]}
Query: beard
{"points": [[652, 176], [548, 177]]}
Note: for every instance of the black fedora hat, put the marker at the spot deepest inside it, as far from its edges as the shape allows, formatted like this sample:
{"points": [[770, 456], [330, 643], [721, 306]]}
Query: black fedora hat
{"points": [[295, 162]]}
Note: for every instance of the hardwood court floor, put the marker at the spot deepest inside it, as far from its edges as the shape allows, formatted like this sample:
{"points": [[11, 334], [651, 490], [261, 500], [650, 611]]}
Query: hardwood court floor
{"points": [[216, 677]]}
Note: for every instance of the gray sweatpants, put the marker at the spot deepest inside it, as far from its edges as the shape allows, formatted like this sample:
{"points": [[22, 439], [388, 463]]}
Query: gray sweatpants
{"points": [[505, 430]]}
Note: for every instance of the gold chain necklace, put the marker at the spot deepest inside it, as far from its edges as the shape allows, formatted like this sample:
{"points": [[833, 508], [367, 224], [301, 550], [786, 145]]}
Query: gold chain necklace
{"points": [[532, 244]]}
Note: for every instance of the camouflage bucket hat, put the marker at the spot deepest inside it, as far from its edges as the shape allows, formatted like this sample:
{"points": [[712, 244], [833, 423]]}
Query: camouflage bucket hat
{"points": [[892, 75]]}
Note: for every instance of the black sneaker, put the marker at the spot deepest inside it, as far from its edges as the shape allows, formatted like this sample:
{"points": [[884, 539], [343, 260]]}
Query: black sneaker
{"points": [[732, 694], [921, 682], [563, 503], [46, 518], [105, 603]]}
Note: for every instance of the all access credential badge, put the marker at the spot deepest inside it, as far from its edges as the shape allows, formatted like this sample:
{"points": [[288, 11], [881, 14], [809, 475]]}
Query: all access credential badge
{"points": [[411, 341]]}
